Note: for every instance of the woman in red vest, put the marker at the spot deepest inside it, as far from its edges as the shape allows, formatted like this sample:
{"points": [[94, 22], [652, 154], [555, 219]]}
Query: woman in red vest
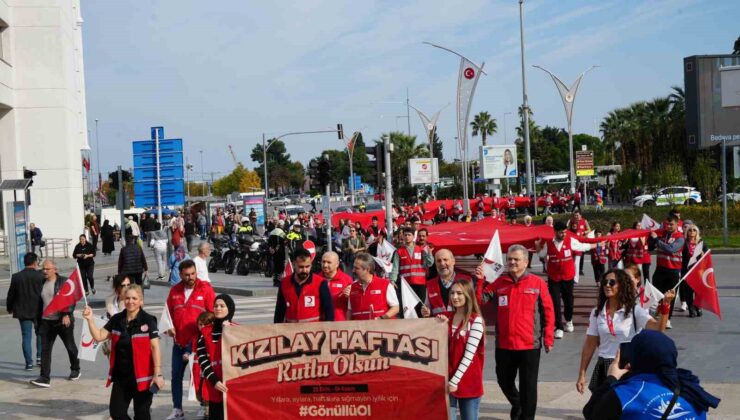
{"points": [[466, 351], [135, 367], [209, 356]]}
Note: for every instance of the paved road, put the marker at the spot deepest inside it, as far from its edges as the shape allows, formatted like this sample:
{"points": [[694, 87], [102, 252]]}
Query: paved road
{"points": [[706, 345]]}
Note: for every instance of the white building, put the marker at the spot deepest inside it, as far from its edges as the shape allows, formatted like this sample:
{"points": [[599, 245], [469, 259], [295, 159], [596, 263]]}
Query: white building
{"points": [[43, 124]]}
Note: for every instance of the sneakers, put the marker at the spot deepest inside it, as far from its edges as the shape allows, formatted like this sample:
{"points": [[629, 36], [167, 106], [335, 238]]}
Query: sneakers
{"points": [[558, 333], [38, 362], [201, 413], [41, 382], [668, 325], [684, 307], [176, 414], [74, 375], [569, 326], [92, 290], [29, 367]]}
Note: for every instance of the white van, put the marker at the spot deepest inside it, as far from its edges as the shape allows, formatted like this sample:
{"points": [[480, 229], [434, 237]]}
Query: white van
{"points": [[555, 179]]}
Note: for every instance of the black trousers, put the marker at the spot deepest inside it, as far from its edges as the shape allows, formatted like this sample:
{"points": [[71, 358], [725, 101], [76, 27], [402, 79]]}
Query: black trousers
{"points": [[94, 241], [136, 278], [580, 267], [687, 294], [87, 277], [215, 410], [49, 331], [561, 289], [120, 398], [526, 363], [664, 280], [599, 270], [646, 271]]}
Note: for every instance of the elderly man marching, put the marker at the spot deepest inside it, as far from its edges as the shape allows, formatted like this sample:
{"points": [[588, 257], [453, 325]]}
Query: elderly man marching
{"points": [[437, 300]]}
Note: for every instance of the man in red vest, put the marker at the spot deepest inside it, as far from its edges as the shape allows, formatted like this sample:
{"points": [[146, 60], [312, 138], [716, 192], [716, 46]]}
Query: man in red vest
{"points": [[413, 261], [438, 289], [370, 297], [561, 270], [339, 284], [303, 296], [669, 248], [582, 229]]}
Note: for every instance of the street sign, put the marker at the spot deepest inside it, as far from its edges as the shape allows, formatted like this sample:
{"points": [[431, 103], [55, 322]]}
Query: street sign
{"points": [[585, 163], [171, 171], [358, 182]]}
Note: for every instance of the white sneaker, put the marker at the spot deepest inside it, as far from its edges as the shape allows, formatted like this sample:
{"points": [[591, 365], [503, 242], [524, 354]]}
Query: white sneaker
{"points": [[201, 412], [684, 307], [668, 325], [176, 414], [558, 333], [569, 326]]}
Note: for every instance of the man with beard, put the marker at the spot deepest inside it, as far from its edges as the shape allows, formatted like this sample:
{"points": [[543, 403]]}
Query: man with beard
{"points": [[303, 296], [437, 300]]}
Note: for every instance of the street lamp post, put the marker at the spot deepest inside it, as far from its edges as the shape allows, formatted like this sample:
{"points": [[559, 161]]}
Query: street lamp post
{"points": [[525, 108], [97, 152], [506, 135], [568, 95], [202, 178]]}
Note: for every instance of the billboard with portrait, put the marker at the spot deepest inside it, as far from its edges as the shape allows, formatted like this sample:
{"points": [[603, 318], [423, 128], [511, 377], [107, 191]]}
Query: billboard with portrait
{"points": [[498, 161]]}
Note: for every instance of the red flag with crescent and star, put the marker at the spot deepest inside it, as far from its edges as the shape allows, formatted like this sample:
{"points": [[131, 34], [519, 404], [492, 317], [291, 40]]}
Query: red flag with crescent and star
{"points": [[68, 295], [701, 279]]}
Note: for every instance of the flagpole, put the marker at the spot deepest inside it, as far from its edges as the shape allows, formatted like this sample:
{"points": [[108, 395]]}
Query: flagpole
{"points": [[696, 264], [79, 277]]}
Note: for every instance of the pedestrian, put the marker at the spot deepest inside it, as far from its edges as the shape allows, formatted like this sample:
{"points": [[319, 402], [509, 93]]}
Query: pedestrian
{"points": [[108, 238], [177, 230], [131, 261], [303, 296], [202, 224], [582, 229], [437, 297], [352, 246], [615, 247], [114, 303], [191, 231], [209, 356], [133, 228], [668, 243], [135, 360], [186, 301], [413, 262], [615, 319], [37, 239], [694, 248], [174, 262], [599, 257], [524, 325], [201, 261], [23, 302], [159, 243], [466, 351], [561, 270], [637, 252], [339, 284], [94, 231], [370, 296], [276, 248], [85, 253], [649, 382], [51, 326]]}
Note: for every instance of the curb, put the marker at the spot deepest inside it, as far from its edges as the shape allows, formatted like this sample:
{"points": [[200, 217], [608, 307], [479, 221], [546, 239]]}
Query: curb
{"points": [[230, 290], [725, 251]]}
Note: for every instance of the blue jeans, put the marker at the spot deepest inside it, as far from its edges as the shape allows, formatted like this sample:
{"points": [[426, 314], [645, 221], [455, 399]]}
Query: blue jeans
{"points": [[202, 229], [178, 371], [27, 325], [469, 408]]}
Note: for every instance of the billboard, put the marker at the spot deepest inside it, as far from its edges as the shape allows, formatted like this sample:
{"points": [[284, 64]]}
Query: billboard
{"points": [[498, 161], [255, 202], [707, 122], [420, 171]]}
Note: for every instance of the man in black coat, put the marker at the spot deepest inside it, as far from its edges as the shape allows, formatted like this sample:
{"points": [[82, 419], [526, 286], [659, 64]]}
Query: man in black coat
{"points": [[24, 302]]}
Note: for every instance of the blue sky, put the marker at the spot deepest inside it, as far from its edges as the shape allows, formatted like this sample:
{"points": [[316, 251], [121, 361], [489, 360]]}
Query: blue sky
{"points": [[222, 73]]}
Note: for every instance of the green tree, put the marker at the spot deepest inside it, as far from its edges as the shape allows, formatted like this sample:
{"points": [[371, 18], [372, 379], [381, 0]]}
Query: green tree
{"points": [[484, 125], [705, 176], [404, 148], [277, 157], [233, 182]]}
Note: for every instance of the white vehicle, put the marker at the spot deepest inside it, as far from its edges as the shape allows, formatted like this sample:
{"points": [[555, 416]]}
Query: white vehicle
{"points": [[294, 211], [670, 196], [555, 179], [278, 201]]}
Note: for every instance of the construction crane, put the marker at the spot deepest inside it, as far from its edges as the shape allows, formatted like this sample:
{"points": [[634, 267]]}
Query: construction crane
{"points": [[233, 157]]}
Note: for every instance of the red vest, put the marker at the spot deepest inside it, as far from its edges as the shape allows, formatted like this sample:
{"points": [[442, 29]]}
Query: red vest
{"points": [[560, 264], [411, 267], [210, 393], [471, 383], [371, 302], [615, 250], [336, 286], [668, 260], [142, 358], [434, 295], [303, 308], [645, 253], [599, 255], [635, 251]]}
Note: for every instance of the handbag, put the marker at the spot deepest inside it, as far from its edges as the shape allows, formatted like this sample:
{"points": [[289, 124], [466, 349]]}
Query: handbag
{"points": [[145, 284]]}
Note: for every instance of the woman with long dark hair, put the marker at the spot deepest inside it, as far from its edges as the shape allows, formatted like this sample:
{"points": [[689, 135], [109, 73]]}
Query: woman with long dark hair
{"points": [[209, 356]]}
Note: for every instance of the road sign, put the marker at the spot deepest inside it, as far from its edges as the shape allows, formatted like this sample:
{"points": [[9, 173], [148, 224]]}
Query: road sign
{"points": [[358, 182], [585, 163], [171, 171]]}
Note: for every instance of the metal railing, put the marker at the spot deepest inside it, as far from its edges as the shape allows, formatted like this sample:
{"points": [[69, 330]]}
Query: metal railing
{"points": [[4, 246], [56, 248]]}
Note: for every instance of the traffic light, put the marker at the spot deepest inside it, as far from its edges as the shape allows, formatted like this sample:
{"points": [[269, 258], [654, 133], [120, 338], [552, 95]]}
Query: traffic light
{"points": [[376, 161], [325, 172], [340, 131], [29, 174]]}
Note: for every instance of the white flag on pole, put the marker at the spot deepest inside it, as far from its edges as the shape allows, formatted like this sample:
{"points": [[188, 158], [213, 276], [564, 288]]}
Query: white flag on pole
{"points": [[385, 256], [649, 223], [88, 346], [409, 299], [493, 260], [165, 322], [191, 385], [650, 297]]}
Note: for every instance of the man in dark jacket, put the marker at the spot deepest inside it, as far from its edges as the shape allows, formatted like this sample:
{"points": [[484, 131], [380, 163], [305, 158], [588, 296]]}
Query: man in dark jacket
{"points": [[23, 301], [56, 324], [131, 260]]}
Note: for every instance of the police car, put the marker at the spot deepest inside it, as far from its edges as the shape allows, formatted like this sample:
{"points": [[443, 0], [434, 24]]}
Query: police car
{"points": [[670, 196]]}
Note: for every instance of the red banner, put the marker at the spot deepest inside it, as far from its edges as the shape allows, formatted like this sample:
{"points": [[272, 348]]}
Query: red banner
{"points": [[393, 369]]}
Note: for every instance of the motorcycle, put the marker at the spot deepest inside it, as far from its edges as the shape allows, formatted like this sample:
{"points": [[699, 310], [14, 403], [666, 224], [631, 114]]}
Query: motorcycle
{"points": [[247, 256], [218, 244]]}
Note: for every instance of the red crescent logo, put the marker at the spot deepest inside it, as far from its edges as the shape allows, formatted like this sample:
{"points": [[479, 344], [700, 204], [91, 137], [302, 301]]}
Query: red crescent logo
{"points": [[68, 286], [469, 73], [86, 344]]}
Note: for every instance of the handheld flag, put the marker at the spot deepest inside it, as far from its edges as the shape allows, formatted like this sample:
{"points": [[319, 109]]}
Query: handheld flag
{"points": [[493, 260], [650, 297], [68, 295], [288, 271], [88, 347], [165, 321], [701, 278], [410, 299], [649, 223], [385, 256]]}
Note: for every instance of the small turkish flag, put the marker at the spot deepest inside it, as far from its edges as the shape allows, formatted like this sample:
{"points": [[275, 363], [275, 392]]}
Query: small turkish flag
{"points": [[68, 295], [701, 279], [288, 271], [310, 247]]}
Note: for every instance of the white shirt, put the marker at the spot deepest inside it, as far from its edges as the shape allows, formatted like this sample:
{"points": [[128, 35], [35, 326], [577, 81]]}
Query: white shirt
{"points": [[623, 328], [575, 245], [188, 292], [390, 296], [201, 268]]}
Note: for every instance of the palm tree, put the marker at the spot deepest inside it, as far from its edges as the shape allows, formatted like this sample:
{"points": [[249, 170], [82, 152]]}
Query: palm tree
{"points": [[404, 148], [484, 124]]}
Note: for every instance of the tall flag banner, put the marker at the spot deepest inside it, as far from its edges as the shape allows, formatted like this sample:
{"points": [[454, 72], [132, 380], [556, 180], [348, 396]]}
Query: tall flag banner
{"points": [[467, 80], [701, 279], [71, 291], [88, 347], [165, 321], [410, 299], [493, 259], [648, 222]]}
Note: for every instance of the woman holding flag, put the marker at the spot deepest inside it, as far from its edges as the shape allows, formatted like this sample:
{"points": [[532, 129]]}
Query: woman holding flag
{"points": [[615, 320], [693, 249], [209, 356], [135, 362]]}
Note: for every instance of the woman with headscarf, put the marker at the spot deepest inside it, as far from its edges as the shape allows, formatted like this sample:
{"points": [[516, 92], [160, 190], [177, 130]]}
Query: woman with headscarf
{"points": [[180, 255], [650, 386], [106, 234], [209, 356]]}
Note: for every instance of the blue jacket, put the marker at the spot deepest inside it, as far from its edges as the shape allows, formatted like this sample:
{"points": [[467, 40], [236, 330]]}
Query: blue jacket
{"points": [[644, 396]]}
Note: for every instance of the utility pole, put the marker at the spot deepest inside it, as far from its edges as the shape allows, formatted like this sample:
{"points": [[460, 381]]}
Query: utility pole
{"points": [[408, 112], [388, 187], [97, 151], [525, 107], [121, 196]]}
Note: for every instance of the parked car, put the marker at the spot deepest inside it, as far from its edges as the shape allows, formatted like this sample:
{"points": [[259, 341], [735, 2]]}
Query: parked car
{"points": [[294, 211], [342, 209], [278, 201], [670, 196]]}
